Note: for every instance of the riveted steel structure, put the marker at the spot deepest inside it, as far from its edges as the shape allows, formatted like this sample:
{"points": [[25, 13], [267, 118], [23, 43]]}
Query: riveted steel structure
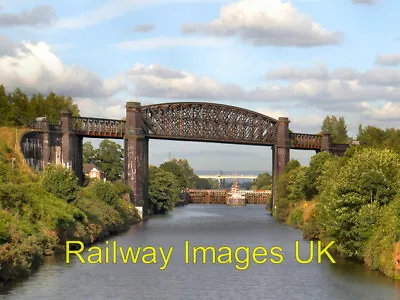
{"points": [[184, 121]]}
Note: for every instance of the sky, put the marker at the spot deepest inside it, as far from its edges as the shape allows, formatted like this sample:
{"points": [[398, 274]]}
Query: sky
{"points": [[302, 59]]}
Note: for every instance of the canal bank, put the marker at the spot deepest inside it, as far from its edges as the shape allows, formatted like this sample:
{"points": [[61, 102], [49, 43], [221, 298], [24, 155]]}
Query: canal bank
{"points": [[215, 226]]}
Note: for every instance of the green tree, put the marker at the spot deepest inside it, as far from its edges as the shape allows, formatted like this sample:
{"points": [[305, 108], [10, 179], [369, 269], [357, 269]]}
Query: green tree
{"points": [[263, 182], [4, 107], [61, 182], [337, 128], [89, 153], [110, 159], [291, 165], [163, 190], [313, 172], [183, 172], [350, 204]]}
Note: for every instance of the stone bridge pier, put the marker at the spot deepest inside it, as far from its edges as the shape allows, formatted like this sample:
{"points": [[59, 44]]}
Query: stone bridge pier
{"points": [[136, 157]]}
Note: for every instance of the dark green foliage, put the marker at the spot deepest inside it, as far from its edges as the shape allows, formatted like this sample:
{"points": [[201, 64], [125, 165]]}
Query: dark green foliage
{"points": [[263, 182], [296, 218], [371, 136], [313, 172], [61, 182], [182, 171], [89, 153], [350, 205], [337, 128], [109, 158], [105, 191], [17, 109], [311, 228], [163, 190], [291, 165]]}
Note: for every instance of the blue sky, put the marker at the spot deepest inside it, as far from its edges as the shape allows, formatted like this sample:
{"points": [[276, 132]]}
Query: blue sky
{"points": [[303, 59]]}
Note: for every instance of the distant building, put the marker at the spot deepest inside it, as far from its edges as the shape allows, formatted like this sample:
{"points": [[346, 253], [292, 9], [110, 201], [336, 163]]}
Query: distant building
{"points": [[93, 171]]}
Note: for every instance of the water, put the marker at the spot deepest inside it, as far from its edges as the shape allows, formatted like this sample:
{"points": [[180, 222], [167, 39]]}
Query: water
{"points": [[216, 226]]}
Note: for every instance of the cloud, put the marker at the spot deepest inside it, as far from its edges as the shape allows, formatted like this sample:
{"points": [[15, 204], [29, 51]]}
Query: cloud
{"points": [[39, 16], [9, 48], [337, 90], [159, 81], [387, 112], [388, 60], [289, 73], [167, 42], [370, 2], [38, 69], [143, 27], [266, 23], [112, 9]]}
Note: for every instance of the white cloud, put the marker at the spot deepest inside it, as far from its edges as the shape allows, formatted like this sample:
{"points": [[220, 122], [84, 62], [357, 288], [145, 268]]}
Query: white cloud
{"points": [[388, 60], [110, 10], [100, 108], [38, 69], [167, 42], [342, 89], [266, 22], [387, 112]]}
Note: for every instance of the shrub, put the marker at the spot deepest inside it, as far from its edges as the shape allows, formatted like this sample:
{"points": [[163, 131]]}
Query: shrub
{"points": [[163, 190], [311, 228], [382, 252], [105, 191], [61, 182], [296, 218]]}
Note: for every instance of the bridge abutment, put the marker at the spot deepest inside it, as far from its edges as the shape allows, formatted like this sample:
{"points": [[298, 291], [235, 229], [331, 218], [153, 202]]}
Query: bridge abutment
{"points": [[136, 157]]}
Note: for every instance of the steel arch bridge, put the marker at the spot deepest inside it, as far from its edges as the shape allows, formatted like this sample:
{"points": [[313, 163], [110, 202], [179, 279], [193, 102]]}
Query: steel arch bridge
{"points": [[184, 121]]}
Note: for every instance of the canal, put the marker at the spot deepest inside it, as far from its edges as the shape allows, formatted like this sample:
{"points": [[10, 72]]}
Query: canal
{"points": [[207, 225]]}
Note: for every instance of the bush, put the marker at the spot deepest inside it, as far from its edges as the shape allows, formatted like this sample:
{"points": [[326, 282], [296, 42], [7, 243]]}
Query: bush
{"points": [[296, 218], [61, 182], [163, 190], [382, 252], [311, 228], [105, 191], [350, 203]]}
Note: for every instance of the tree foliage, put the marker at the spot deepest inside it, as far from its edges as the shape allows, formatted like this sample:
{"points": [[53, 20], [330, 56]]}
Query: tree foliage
{"points": [[371, 136], [337, 128], [163, 190], [263, 182], [17, 109], [108, 157], [61, 182], [182, 171]]}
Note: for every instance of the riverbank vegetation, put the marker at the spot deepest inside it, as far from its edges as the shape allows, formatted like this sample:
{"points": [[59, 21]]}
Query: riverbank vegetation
{"points": [[39, 212], [353, 200]]}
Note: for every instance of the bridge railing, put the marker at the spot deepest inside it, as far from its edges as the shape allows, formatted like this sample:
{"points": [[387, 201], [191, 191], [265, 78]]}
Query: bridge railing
{"points": [[305, 141], [98, 127]]}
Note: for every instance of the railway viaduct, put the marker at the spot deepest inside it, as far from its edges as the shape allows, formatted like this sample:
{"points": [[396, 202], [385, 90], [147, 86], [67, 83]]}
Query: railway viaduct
{"points": [[185, 121]]}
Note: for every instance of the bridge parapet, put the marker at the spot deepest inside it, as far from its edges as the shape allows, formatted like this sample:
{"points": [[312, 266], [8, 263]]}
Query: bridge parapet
{"points": [[95, 127], [305, 141]]}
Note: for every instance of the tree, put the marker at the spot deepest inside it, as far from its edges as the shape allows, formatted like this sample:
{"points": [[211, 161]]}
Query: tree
{"points": [[313, 172], [89, 153], [61, 182], [263, 182], [351, 202], [291, 165], [109, 159], [163, 190], [337, 128], [4, 107], [183, 172]]}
